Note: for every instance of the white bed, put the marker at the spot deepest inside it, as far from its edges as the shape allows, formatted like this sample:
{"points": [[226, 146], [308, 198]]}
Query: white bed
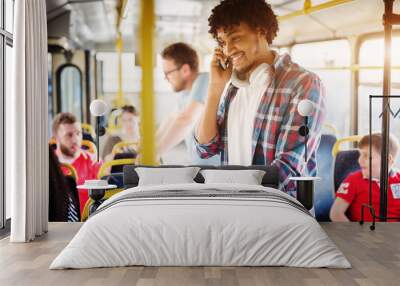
{"points": [[203, 225]]}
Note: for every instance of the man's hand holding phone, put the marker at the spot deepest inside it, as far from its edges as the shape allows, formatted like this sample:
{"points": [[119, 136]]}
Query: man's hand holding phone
{"points": [[221, 69]]}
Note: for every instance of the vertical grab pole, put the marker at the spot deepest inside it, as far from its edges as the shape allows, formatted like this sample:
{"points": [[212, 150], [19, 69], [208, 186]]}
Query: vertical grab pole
{"points": [[98, 137], [385, 105], [119, 102], [147, 104]]}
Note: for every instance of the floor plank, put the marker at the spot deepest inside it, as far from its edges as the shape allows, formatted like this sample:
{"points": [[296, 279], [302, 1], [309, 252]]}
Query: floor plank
{"points": [[374, 255]]}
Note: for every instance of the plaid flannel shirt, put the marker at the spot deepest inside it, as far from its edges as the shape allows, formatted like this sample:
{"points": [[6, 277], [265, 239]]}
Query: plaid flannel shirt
{"points": [[276, 139]]}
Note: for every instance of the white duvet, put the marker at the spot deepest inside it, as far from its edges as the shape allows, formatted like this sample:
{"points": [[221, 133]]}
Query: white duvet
{"points": [[207, 230]]}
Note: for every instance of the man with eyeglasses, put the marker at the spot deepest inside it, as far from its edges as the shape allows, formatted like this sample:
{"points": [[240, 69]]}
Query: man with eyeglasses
{"points": [[181, 68]]}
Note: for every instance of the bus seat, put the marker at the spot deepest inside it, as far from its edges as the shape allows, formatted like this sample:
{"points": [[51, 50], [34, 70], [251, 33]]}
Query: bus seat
{"points": [[106, 167], [88, 132], [329, 129], [89, 146], [87, 136], [323, 196], [339, 143], [346, 162], [119, 168], [123, 146], [113, 179]]}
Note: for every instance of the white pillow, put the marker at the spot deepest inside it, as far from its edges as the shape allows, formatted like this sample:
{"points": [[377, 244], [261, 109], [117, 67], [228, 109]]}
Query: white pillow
{"points": [[166, 176], [248, 177]]}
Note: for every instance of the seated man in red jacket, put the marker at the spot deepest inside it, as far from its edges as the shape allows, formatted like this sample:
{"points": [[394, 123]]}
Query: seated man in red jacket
{"points": [[67, 132], [354, 191]]}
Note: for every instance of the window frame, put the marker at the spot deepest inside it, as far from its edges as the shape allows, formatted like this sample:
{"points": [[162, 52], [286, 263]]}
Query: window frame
{"points": [[358, 44]]}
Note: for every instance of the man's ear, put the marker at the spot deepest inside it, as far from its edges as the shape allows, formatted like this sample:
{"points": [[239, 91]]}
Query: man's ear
{"points": [[186, 69], [262, 32], [262, 35]]}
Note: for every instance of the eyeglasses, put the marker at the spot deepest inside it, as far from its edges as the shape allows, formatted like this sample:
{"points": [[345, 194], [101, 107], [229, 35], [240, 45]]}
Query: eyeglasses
{"points": [[166, 74]]}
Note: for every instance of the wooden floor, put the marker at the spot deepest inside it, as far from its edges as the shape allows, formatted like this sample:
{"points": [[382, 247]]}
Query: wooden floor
{"points": [[374, 255]]}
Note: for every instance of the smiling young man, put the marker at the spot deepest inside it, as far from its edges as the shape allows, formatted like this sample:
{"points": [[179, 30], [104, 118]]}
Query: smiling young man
{"points": [[250, 115]]}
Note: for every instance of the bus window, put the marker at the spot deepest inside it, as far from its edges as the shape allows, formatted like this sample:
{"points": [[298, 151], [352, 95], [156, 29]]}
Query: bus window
{"points": [[371, 83], [130, 81], [70, 90], [107, 78], [325, 59]]}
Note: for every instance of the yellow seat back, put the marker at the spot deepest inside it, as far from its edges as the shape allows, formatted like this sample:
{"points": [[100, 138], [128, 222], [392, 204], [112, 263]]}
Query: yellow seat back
{"points": [[336, 147], [119, 147], [90, 146], [87, 128], [105, 168]]}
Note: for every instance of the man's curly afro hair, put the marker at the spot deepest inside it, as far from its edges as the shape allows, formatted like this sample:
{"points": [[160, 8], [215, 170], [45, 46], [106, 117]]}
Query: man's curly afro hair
{"points": [[255, 13]]}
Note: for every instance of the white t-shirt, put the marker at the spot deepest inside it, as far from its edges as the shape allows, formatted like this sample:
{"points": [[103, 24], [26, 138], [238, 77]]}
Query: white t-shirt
{"points": [[242, 112]]}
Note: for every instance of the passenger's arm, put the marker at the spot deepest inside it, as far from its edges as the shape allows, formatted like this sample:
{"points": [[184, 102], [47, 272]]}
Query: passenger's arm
{"points": [[338, 210], [164, 126], [207, 129], [289, 153], [179, 126], [108, 147]]}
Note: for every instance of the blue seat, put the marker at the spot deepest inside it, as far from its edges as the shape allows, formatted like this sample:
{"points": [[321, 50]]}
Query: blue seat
{"points": [[119, 168], [346, 162], [323, 194], [115, 179]]}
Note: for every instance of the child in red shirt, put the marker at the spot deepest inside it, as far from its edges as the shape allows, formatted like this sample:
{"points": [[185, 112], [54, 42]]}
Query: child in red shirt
{"points": [[354, 191]]}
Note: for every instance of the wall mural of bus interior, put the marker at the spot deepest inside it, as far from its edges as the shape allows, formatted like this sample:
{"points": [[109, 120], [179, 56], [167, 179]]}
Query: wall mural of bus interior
{"points": [[90, 59], [283, 101]]}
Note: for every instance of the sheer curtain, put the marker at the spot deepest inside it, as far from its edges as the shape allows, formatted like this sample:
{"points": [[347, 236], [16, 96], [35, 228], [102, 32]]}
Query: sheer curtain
{"points": [[26, 121]]}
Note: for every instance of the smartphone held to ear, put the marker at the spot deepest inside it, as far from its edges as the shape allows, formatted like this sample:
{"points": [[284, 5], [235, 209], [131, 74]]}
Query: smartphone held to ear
{"points": [[224, 64]]}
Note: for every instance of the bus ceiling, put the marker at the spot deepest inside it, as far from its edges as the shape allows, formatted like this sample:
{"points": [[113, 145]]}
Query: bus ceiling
{"points": [[94, 24], [84, 23]]}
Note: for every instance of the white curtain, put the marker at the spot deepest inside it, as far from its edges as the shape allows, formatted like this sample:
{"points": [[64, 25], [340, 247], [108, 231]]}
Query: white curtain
{"points": [[26, 121]]}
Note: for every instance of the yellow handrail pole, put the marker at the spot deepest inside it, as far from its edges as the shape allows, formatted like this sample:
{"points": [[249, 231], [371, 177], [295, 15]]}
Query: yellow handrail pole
{"points": [[308, 9], [146, 54], [119, 101]]}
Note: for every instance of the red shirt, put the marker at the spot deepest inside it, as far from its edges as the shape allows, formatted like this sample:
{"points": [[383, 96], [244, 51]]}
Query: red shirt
{"points": [[86, 168], [355, 191]]}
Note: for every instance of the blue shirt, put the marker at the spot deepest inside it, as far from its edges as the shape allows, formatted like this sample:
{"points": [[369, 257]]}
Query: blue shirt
{"points": [[197, 93]]}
